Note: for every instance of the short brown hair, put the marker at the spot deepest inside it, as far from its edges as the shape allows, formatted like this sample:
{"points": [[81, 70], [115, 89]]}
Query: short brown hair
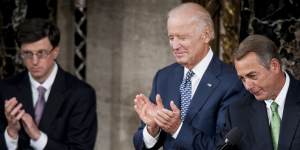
{"points": [[34, 29], [262, 46]]}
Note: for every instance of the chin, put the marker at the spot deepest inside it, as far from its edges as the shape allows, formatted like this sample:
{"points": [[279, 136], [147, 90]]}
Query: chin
{"points": [[36, 75], [260, 98], [180, 61]]}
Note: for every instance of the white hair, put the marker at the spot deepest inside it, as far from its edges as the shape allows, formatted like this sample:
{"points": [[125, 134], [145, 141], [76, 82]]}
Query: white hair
{"points": [[196, 14]]}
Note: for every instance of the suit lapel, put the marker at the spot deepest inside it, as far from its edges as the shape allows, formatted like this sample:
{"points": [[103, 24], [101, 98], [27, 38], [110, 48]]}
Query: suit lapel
{"points": [[55, 100], [206, 86], [291, 115], [25, 93], [260, 125], [173, 87]]}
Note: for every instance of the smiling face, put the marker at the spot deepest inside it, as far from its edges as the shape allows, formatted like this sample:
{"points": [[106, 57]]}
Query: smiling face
{"points": [[190, 29], [188, 44], [40, 68], [263, 82]]}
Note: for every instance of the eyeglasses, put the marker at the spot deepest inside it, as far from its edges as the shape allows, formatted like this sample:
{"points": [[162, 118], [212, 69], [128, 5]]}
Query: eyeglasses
{"points": [[40, 54]]}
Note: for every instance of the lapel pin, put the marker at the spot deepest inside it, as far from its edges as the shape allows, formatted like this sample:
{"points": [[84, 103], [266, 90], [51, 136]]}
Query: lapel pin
{"points": [[209, 85]]}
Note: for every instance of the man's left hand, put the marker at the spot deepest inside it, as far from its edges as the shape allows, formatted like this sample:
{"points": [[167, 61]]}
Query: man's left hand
{"points": [[30, 127], [168, 120]]}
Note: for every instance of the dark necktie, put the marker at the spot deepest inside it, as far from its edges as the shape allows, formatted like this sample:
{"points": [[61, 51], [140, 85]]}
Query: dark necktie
{"points": [[186, 93], [39, 106]]}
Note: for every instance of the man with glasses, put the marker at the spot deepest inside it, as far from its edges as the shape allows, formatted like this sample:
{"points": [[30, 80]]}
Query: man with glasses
{"points": [[45, 107]]}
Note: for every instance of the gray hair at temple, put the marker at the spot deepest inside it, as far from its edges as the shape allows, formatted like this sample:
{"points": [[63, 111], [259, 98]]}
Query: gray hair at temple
{"points": [[262, 46], [197, 14]]}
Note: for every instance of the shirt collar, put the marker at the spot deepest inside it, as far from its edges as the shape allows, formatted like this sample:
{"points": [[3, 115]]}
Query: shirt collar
{"points": [[201, 67], [48, 82], [281, 97]]}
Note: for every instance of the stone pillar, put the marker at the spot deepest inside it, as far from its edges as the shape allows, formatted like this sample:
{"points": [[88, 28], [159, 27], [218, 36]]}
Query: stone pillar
{"points": [[65, 22], [127, 44]]}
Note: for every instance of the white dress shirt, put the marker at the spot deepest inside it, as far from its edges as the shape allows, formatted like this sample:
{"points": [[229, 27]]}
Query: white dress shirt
{"points": [[40, 143], [280, 99], [199, 70]]}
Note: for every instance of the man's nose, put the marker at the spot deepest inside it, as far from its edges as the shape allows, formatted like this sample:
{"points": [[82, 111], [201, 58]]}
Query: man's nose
{"points": [[175, 44], [248, 84], [35, 59]]}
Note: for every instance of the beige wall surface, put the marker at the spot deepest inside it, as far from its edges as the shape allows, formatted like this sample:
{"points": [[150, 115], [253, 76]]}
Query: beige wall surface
{"points": [[126, 44]]}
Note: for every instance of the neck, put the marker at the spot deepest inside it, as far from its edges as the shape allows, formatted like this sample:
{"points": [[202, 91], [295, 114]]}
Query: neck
{"points": [[280, 82], [197, 58], [41, 80]]}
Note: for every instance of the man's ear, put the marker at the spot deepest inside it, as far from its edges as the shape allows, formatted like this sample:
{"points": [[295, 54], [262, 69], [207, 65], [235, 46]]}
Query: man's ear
{"points": [[205, 36], [56, 52], [275, 65]]}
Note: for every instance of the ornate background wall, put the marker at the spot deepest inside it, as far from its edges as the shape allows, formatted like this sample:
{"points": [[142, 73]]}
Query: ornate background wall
{"points": [[234, 19], [279, 20]]}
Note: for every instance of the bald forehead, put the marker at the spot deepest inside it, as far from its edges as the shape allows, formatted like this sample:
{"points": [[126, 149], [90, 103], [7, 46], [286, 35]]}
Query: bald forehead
{"points": [[188, 10]]}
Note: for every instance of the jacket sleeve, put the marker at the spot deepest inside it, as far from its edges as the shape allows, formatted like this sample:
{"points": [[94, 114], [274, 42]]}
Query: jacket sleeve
{"points": [[2, 122]]}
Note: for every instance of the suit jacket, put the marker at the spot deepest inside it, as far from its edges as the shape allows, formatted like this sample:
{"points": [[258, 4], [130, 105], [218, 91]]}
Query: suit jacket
{"points": [[250, 116], [69, 117], [218, 87]]}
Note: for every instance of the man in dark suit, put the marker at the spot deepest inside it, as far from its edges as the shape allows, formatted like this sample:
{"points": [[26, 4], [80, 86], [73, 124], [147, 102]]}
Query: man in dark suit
{"points": [[268, 117], [45, 107], [189, 96]]}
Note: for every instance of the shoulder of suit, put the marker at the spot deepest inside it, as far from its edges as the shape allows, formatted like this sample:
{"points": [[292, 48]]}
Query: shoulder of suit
{"points": [[74, 82], [246, 100], [222, 70], [15, 79], [170, 68], [227, 68], [218, 67]]}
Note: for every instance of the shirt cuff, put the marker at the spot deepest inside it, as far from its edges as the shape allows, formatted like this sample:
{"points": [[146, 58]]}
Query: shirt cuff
{"points": [[40, 143], [10, 142], [148, 139], [177, 131]]}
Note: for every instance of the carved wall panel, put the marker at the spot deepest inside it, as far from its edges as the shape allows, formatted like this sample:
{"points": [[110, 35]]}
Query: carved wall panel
{"points": [[280, 21]]}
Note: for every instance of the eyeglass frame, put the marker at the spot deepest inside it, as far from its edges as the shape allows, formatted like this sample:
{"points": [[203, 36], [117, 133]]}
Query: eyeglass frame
{"points": [[40, 54]]}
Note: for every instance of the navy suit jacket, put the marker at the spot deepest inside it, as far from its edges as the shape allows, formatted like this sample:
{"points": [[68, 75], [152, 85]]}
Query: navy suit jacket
{"points": [[69, 117], [218, 87], [250, 116]]}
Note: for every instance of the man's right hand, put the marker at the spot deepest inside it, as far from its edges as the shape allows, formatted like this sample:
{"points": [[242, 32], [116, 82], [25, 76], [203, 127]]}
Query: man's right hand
{"points": [[13, 114], [146, 111]]}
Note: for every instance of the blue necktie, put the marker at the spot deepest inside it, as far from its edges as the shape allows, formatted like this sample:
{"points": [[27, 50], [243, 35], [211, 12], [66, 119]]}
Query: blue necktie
{"points": [[186, 93]]}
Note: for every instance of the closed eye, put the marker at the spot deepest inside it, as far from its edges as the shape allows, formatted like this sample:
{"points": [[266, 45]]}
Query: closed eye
{"points": [[252, 75]]}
